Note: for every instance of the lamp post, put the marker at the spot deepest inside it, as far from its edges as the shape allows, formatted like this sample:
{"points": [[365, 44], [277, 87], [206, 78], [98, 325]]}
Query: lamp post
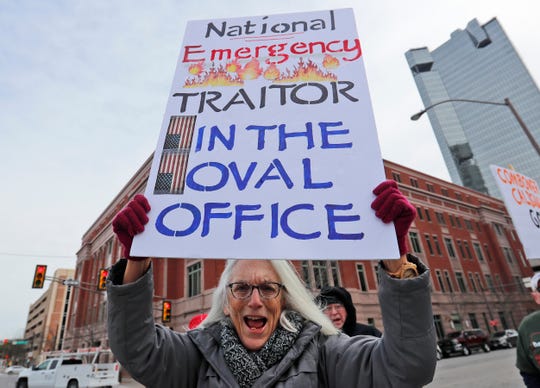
{"points": [[506, 103]]}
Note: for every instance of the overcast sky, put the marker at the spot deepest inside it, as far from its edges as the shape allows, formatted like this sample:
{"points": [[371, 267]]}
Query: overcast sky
{"points": [[83, 87]]}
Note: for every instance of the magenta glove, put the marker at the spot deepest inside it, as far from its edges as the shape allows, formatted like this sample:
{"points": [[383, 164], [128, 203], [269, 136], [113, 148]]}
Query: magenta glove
{"points": [[392, 205], [129, 222]]}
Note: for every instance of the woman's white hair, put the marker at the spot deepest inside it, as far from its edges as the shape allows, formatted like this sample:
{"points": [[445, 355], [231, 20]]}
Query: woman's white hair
{"points": [[295, 296]]}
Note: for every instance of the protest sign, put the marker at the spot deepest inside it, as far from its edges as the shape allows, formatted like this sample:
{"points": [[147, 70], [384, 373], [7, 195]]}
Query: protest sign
{"points": [[522, 199], [268, 147]]}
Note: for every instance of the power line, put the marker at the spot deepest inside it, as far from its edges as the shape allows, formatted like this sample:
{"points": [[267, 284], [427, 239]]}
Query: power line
{"points": [[37, 255]]}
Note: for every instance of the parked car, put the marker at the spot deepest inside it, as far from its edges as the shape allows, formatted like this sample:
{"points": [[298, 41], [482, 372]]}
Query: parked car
{"points": [[14, 369], [503, 339], [464, 342]]}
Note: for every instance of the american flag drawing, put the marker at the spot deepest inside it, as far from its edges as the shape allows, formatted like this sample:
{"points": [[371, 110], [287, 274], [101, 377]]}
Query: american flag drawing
{"points": [[174, 158]]}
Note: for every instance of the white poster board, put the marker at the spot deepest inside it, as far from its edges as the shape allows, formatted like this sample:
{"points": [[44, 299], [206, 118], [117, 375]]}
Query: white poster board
{"points": [[522, 199], [268, 147]]}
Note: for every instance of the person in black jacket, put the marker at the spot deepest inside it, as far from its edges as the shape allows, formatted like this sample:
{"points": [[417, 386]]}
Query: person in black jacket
{"points": [[338, 306]]}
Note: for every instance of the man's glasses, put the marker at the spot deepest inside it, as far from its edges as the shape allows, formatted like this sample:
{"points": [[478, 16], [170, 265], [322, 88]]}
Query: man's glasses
{"points": [[334, 307], [268, 290]]}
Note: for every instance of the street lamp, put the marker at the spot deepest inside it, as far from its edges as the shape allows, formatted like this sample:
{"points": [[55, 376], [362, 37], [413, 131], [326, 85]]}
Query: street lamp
{"points": [[506, 103]]}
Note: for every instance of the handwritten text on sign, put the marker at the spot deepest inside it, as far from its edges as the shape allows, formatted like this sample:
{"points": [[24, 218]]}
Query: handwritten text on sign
{"points": [[522, 198], [268, 147]]}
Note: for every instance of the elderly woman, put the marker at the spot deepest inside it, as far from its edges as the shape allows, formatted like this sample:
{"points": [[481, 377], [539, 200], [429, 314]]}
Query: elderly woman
{"points": [[264, 330]]}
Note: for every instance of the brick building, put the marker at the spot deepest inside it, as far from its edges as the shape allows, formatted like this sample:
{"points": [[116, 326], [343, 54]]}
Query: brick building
{"points": [[466, 238]]}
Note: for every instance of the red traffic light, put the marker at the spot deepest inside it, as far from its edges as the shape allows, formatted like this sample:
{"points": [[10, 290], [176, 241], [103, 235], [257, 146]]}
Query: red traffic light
{"points": [[39, 276], [102, 281], [166, 311]]}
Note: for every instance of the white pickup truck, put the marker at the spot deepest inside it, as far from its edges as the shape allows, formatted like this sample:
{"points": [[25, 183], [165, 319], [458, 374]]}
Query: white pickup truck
{"points": [[73, 370]]}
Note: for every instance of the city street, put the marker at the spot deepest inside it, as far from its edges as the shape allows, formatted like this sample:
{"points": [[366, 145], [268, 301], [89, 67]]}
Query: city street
{"points": [[480, 370]]}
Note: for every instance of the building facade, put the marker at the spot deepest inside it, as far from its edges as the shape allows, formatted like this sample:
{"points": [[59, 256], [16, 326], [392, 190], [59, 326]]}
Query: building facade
{"points": [[479, 63], [465, 237], [46, 324]]}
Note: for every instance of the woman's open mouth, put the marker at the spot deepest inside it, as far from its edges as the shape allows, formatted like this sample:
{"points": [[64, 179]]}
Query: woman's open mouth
{"points": [[255, 323]]}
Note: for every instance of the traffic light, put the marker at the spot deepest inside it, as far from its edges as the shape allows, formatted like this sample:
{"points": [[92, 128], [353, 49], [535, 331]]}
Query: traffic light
{"points": [[166, 311], [102, 281], [39, 276]]}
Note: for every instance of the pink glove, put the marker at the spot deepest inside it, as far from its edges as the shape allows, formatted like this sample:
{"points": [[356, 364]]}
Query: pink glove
{"points": [[129, 222], [392, 205]]}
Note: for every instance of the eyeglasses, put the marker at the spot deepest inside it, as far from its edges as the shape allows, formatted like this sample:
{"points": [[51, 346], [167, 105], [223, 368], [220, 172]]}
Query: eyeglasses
{"points": [[334, 306], [268, 290]]}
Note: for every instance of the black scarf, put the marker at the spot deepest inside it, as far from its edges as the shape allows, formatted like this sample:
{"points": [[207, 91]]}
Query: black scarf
{"points": [[249, 366]]}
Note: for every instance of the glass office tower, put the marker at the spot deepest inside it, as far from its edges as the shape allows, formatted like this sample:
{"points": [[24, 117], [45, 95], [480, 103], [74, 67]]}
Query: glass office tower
{"points": [[479, 63]]}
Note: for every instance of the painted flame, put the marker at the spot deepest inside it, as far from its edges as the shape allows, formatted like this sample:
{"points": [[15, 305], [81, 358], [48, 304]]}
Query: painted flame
{"points": [[330, 62], [252, 70]]}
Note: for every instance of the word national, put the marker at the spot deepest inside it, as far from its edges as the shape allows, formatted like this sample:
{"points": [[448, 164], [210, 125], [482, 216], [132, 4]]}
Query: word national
{"points": [[264, 27]]}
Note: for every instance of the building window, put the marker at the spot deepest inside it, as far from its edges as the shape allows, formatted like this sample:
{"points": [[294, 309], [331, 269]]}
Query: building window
{"points": [[440, 218], [468, 225], [451, 217], [523, 261], [335, 273], [458, 196], [437, 321], [440, 281], [305, 274], [489, 282], [478, 251], [396, 177], [478, 281], [428, 243], [444, 192], [428, 216], [502, 319], [437, 246], [473, 284], [419, 212], [499, 283], [498, 228], [486, 322], [488, 253], [458, 222], [361, 272], [460, 248], [508, 255], [194, 273], [414, 182], [450, 247], [415, 242], [430, 188], [320, 273], [448, 281], [472, 319], [519, 284], [467, 249], [461, 282]]}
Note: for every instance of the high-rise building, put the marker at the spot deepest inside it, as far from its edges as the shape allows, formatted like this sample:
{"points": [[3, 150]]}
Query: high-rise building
{"points": [[479, 63]]}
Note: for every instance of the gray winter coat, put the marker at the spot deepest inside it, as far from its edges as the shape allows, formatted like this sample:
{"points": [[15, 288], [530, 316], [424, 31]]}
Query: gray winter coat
{"points": [[159, 357]]}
